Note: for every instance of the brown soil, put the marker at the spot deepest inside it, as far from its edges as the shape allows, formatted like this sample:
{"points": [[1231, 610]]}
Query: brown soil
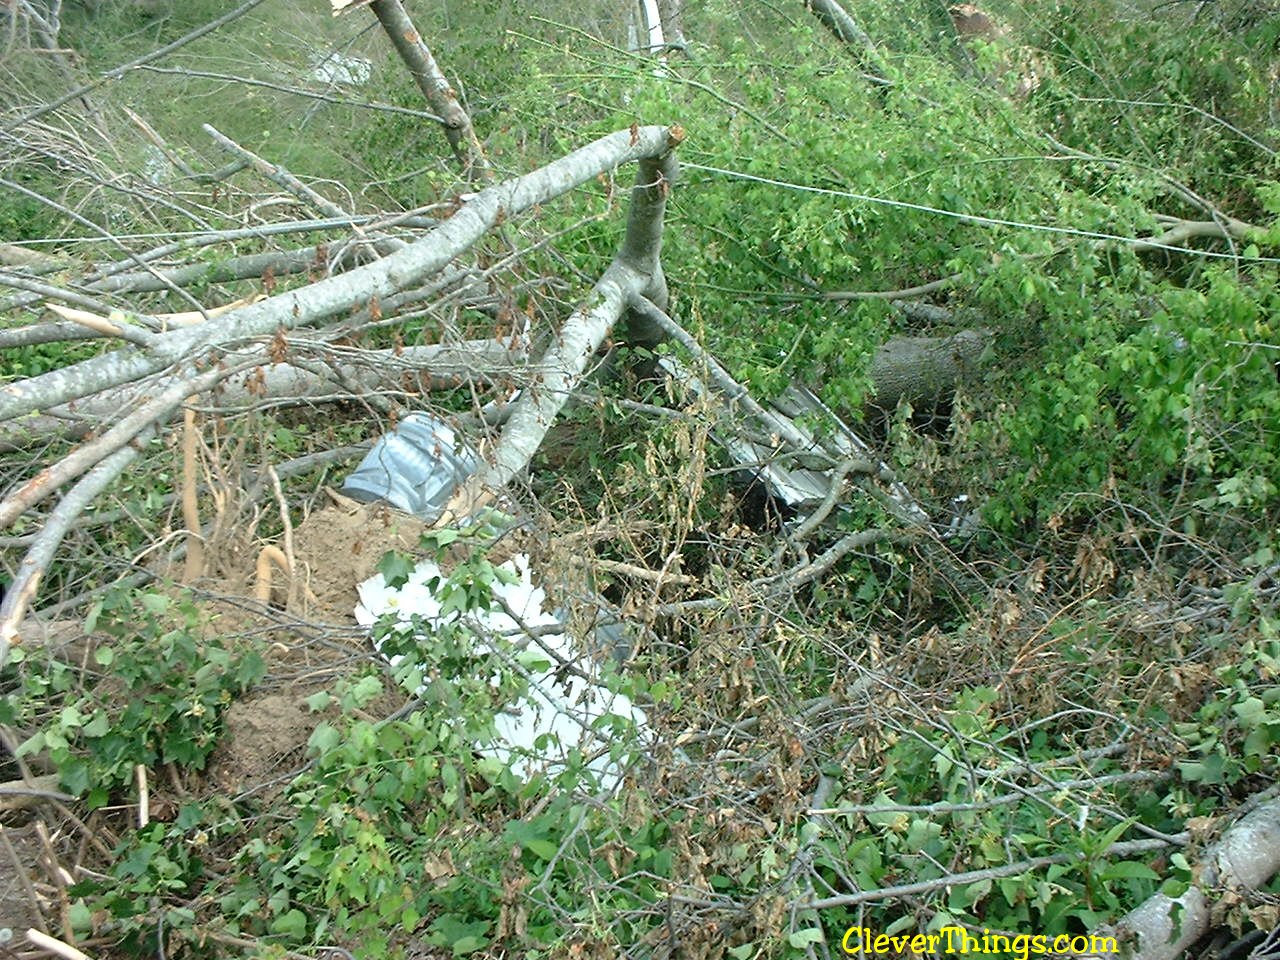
{"points": [[339, 547]]}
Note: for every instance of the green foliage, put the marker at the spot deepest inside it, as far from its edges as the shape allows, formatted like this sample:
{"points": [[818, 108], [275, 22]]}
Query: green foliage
{"points": [[1187, 391], [1236, 735], [167, 688]]}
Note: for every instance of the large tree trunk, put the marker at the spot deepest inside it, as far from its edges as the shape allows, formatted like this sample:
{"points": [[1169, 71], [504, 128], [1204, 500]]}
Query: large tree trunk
{"points": [[672, 16]]}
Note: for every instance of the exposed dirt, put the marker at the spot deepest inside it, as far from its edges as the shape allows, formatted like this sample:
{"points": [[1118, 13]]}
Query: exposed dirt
{"points": [[265, 738], [339, 547]]}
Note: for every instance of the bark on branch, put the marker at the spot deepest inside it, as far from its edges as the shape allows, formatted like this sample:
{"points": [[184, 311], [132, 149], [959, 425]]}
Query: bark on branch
{"points": [[838, 20], [635, 274], [338, 295], [1246, 857], [924, 370], [433, 84]]}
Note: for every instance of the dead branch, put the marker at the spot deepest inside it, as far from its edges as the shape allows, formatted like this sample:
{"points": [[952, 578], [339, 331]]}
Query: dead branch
{"points": [[49, 480], [344, 371], [105, 327], [1124, 849], [193, 566]]}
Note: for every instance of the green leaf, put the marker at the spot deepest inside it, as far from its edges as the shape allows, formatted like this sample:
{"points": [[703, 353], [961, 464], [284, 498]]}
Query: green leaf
{"points": [[1128, 870], [543, 849], [324, 738], [804, 938], [395, 568], [319, 701], [292, 924], [98, 726]]}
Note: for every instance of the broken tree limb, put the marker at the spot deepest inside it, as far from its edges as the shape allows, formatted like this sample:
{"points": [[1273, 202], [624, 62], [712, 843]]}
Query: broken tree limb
{"points": [[26, 579], [1180, 231], [1244, 859], [336, 295], [106, 327], [431, 367], [276, 173], [838, 20], [433, 84], [924, 370], [69, 330], [634, 273], [49, 480]]}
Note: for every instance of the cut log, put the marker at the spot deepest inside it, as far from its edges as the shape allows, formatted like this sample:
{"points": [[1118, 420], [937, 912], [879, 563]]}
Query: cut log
{"points": [[924, 370]]}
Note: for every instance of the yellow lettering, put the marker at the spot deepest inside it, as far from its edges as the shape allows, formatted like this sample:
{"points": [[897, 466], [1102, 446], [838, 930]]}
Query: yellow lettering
{"points": [[1040, 944], [881, 944], [951, 948], [1103, 944], [1019, 946], [844, 943]]}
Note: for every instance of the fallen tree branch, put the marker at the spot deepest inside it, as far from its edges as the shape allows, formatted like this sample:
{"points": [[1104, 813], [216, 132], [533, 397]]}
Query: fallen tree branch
{"points": [[634, 273], [1181, 231], [1244, 859], [49, 480], [336, 295], [1126, 849], [431, 81], [837, 19], [436, 366], [276, 173], [104, 327], [26, 579]]}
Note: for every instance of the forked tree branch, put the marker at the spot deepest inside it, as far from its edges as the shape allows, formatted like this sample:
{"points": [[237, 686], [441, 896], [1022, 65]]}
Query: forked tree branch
{"points": [[338, 295]]}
